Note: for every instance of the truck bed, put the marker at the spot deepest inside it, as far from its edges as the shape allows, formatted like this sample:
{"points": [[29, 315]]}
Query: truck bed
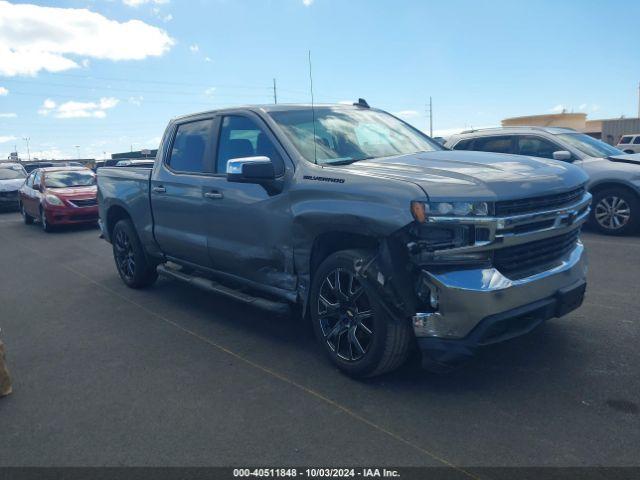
{"points": [[129, 188]]}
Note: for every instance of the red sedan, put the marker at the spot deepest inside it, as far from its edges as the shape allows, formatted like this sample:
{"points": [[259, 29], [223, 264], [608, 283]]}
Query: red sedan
{"points": [[59, 196]]}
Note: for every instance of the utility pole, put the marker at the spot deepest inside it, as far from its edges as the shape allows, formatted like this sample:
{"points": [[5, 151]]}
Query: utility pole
{"points": [[275, 92], [638, 99], [26, 139], [430, 117], [77, 151]]}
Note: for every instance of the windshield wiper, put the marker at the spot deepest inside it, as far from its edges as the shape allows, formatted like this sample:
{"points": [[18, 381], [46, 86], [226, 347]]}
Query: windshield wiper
{"points": [[348, 162]]}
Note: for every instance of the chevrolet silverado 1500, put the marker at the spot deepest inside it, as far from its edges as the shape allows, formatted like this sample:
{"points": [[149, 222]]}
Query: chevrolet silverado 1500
{"points": [[383, 238]]}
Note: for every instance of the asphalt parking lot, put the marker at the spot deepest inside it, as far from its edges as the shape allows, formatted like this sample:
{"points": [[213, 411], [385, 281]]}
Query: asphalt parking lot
{"points": [[105, 375]]}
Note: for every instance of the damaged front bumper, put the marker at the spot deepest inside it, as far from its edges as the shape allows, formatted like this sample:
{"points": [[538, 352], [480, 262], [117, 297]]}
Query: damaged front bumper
{"points": [[481, 306]]}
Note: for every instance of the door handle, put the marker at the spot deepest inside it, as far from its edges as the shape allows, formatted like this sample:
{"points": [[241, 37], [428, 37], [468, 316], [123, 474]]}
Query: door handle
{"points": [[213, 195], [159, 189]]}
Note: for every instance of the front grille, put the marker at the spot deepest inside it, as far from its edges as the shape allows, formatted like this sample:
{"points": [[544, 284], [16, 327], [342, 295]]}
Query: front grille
{"points": [[535, 204], [89, 202], [533, 255]]}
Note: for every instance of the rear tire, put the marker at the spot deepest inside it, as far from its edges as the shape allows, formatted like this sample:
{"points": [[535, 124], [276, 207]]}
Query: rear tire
{"points": [[134, 268], [353, 329], [28, 219], [615, 211]]}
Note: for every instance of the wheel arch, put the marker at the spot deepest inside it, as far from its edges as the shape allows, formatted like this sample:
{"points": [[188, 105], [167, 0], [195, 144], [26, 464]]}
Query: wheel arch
{"points": [[612, 184], [115, 213]]}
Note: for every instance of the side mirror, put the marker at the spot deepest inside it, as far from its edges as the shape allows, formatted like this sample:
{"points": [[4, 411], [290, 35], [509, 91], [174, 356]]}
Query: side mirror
{"points": [[36, 187], [251, 170], [562, 155]]}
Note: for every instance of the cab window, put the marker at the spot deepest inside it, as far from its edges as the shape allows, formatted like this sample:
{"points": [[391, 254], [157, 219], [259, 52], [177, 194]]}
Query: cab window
{"points": [[242, 137], [190, 147]]}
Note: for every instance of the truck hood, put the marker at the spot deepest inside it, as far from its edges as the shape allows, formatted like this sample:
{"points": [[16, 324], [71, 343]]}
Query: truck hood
{"points": [[11, 185], [462, 175]]}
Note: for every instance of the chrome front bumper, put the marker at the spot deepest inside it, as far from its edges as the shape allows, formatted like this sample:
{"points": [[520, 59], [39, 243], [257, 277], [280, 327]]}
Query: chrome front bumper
{"points": [[466, 297]]}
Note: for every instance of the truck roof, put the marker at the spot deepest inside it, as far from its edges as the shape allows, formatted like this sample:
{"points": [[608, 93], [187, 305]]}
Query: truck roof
{"points": [[280, 107]]}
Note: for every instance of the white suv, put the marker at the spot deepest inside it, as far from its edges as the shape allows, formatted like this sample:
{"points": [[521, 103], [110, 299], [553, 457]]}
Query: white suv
{"points": [[629, 143], [614, 175]]}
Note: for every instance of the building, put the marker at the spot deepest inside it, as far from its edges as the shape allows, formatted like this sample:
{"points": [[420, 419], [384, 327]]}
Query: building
{"points": [[577, 121]]}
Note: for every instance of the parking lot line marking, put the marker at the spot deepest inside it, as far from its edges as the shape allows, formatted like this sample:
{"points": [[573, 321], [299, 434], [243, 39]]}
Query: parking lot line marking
{"points": [[279, 376]]}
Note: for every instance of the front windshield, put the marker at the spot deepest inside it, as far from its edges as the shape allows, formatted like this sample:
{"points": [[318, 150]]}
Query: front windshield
{"points": [[10, 173], [69, 178], [589, 145], [346, 135]]}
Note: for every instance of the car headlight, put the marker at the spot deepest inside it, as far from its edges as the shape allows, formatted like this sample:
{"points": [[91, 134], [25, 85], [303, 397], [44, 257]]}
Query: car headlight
{"points": [[422, 210], [53, 200]]}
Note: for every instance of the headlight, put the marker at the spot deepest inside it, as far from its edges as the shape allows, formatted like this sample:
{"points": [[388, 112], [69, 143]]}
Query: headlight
{"points": [[422, 210], [53, 200]]}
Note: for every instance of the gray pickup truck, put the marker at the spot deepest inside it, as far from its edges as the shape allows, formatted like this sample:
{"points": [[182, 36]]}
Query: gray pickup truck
{"points": [[382, 238]]}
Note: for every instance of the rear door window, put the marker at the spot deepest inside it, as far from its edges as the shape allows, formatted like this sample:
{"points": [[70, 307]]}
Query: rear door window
{"points": [[536, 147], [190, 147], [636, 141], [498, 144], [464, 144]]}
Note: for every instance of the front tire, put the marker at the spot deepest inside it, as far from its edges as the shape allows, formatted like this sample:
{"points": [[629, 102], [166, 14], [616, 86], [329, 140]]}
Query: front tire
{"points": [[134, 268], [615, 211], [28, 219], [46, 226], [353, 329]]}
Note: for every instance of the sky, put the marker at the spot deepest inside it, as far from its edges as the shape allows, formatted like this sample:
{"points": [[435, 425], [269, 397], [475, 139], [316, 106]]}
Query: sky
{"points": [[87, 78]]}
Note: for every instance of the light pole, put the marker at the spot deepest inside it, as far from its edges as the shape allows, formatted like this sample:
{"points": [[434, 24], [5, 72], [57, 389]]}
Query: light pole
{"points": [[26, 139], [77, 151]]}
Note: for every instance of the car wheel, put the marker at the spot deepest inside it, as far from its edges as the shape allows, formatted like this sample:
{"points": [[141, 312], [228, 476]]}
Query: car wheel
{"points": [[28, 219], [46, 226], [354, 330], [615, 211], [134, 268]]}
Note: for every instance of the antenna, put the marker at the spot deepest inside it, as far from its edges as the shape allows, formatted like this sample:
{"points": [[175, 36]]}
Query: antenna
{"points": [[313, 113], [275, 92]]}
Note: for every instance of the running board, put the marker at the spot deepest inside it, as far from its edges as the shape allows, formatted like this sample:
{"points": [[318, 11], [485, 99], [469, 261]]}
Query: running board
{"points": [[215, 287]]}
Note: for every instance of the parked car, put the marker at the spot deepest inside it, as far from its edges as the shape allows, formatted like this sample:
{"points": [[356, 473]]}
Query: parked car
{"points": [[614, 176], [629, 143], [380, 235], [12, 177], [59, 196], [31, 166]]}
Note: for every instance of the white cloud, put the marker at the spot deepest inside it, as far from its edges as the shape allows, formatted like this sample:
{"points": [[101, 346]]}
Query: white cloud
{"points": [[137, 3], [8, 115], [558, 108], [4, 139], [307, 3], [85, 63], [35, 38], [194, 48], [73, 109], [207, 59], [210, 91], [137, 101], [345, 102], [3, 91]]}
